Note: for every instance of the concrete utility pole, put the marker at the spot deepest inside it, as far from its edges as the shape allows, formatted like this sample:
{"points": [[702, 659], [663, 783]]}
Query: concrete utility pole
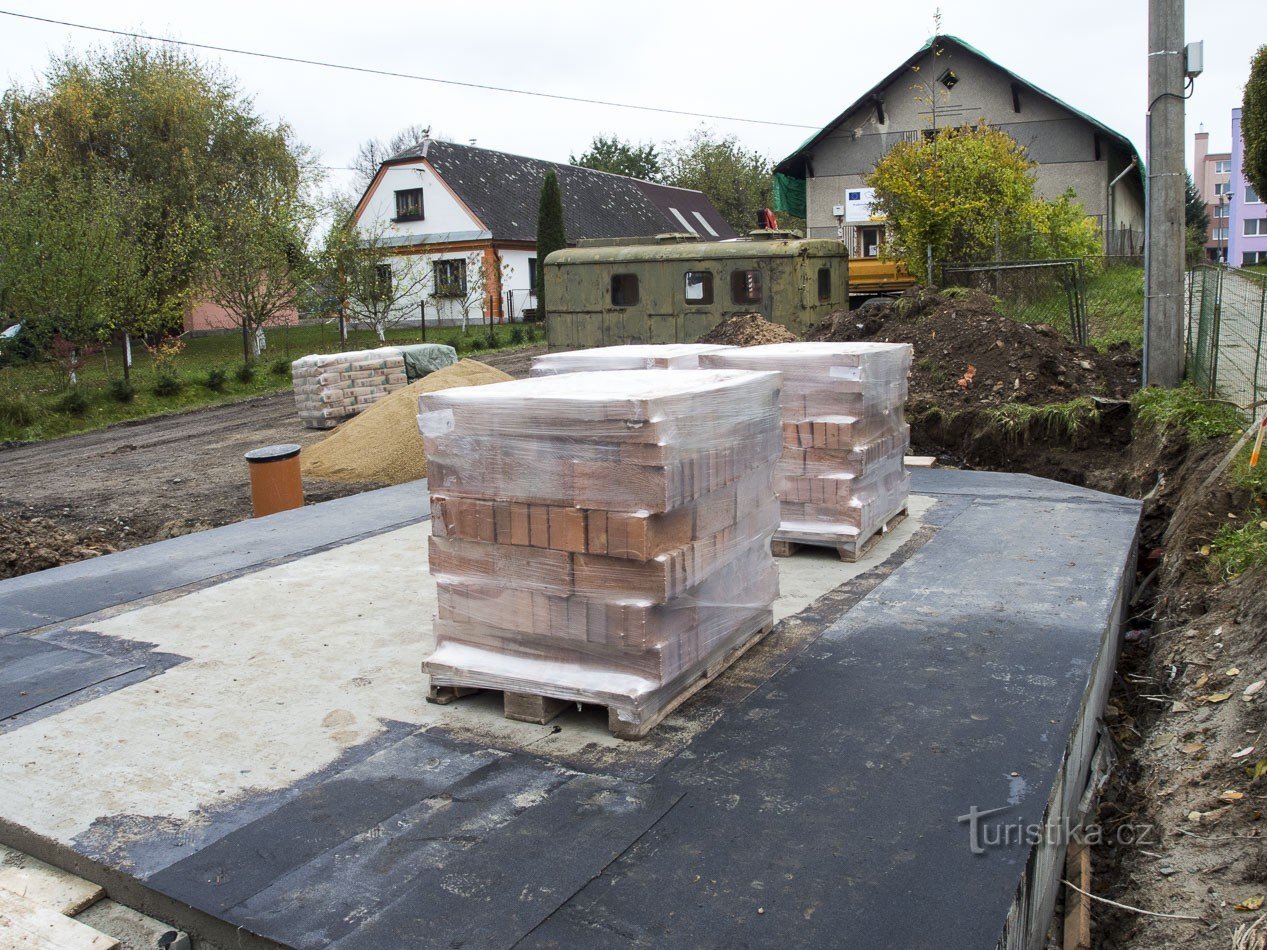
{"points": [[1164, 240]]}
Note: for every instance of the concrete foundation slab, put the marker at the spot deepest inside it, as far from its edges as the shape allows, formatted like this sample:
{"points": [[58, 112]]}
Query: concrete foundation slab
{"points": [[248, 753]]}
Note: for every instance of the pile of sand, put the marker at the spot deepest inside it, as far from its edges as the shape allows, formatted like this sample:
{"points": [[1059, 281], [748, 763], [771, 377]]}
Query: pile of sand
{"points": [[382, 444]]}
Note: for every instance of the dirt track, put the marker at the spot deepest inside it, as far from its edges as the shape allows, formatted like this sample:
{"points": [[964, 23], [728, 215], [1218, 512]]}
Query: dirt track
{"points": [[156, 478]]}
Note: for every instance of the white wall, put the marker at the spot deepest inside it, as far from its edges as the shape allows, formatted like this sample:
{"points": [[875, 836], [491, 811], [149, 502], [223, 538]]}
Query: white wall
{"points": [[443, 214]]}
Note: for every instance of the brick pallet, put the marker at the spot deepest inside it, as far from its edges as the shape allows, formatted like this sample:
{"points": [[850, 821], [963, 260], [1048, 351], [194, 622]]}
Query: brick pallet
{"points": [[332, 387], [631, 356], [841, 480], [600, 538]]}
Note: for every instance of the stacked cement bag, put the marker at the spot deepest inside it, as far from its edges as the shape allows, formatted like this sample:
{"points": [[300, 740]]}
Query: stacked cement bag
{"points": [[601, 537], [841, 477], [334, 386], [633, 356]]}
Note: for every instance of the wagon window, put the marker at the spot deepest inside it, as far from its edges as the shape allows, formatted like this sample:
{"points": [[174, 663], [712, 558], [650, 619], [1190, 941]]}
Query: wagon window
{"points": [[824, 284], [624, 290], [745, 286], [699, 286]]}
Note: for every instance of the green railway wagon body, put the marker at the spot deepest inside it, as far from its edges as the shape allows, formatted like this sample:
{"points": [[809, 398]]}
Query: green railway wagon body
{"points": [[676, 292]]}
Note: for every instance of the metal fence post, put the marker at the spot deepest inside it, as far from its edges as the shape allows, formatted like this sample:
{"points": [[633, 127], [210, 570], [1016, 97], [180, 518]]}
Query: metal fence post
{"points": [[1258, 349]]}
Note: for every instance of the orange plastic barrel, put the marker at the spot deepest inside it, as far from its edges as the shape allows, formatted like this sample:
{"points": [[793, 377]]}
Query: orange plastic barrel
{"points": [[275, 482]]}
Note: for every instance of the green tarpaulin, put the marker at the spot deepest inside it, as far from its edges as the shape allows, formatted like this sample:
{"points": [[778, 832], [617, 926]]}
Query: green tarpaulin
{"points": [[424, 358], [789, 195]]}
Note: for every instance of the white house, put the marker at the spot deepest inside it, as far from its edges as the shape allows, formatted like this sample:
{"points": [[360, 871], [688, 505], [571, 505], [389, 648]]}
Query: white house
{"points": [[460, 207]]}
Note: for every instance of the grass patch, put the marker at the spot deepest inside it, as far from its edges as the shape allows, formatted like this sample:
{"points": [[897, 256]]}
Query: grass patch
{"points": [[1114, 306], [1059, 421], [1202, 419], [29, 392], [1237, 548]]}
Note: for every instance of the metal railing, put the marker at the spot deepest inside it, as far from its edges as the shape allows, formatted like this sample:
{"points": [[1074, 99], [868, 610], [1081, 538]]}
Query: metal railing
{"points": [[1226, 309]]}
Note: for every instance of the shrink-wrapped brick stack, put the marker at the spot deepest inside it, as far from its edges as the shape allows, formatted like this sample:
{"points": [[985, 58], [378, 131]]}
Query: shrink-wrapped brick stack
{"points": [[601, 537], [841, 478], [331, 387], [632, 356]]}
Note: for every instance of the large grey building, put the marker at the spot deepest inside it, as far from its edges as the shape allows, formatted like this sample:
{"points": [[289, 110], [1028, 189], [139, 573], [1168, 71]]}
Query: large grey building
{"points": [[948, 83]]}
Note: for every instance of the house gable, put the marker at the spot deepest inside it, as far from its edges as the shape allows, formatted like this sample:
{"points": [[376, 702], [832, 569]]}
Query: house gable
{"points": [[445, 217]]}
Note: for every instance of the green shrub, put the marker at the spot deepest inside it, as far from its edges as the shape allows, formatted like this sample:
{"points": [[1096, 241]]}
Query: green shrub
{"points": [[216, 380], [490, 340], [517, 334], [168, 383], [280, 367], [245, 373], [18, 411], [122, 390], [73, 402]]}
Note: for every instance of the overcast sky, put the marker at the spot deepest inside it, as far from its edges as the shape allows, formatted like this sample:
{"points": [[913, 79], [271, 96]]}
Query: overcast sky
{"points": [[798, 63]]}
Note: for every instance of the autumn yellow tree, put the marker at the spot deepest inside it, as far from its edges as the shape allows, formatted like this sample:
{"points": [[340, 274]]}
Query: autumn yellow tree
{"points": [[967, 193]]}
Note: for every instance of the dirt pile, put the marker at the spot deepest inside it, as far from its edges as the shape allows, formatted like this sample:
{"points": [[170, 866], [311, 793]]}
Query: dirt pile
{"points": [[33, 544], [747, 329], [382, 444], [968, 354]]}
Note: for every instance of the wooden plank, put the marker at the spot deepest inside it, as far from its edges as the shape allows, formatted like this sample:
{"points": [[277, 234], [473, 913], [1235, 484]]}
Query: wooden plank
{"points": [[1077, 925], [46, 885], [633, 731], [852, 551], [920, 461], [28, 926]]}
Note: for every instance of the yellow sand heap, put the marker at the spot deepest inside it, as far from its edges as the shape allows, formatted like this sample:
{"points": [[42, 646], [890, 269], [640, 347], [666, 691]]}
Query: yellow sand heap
{"points": [[382, 444]]}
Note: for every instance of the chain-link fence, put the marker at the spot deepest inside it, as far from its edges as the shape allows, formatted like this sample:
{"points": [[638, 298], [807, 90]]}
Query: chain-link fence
{"points": [[1097, 300], [1226, 311]]}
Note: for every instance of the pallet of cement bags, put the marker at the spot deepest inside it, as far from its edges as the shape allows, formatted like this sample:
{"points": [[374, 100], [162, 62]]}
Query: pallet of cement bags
{"points": [[331, 387], [600, 538], [841, 479]]}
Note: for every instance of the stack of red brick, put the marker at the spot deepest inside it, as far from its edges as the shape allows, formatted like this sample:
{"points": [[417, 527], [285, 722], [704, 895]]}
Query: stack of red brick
{"points": [[841, 476], [600, 536], [630, 356]]}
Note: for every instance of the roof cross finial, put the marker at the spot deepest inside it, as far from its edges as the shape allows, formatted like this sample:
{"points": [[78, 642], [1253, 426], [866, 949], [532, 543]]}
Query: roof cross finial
{"points": [[937, 21]]}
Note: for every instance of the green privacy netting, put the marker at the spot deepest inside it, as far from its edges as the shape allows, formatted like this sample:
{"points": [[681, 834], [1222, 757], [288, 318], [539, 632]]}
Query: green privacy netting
{"points": [[789, 194]]}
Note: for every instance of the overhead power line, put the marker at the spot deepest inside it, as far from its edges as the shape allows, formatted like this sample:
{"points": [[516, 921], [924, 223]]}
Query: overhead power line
{"points": [[398, 75]]}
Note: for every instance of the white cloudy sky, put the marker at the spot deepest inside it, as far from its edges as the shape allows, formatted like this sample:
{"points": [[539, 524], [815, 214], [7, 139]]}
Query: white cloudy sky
{"points": [[797, 62]]}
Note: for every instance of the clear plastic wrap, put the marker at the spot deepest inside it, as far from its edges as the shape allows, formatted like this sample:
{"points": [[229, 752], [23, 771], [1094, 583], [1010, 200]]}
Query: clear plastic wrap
{"points": [[841, 474], [330, 387], [550, 581], [631, 356]]}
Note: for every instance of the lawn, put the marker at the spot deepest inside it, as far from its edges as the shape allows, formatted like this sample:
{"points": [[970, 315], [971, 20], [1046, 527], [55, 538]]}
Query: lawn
{"points": [[1114, 306], [37, 402]]}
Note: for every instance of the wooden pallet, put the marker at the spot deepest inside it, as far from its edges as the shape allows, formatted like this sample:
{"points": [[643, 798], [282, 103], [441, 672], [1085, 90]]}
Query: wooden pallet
{"points": [[785, 544], [624, 720]]}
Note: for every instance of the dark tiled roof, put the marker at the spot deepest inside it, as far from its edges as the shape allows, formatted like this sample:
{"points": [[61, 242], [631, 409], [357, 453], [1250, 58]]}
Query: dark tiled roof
{"points": [[504, 191]]}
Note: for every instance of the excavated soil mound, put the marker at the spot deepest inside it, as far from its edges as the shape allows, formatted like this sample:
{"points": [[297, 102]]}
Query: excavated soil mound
{"points": [[747, 329], [382, 444], [33, 544], [967, 354]]}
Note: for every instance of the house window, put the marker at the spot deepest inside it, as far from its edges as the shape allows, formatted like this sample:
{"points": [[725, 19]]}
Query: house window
{"points": [[532, 273], [450, 278], [745, 286], [1253, 257], [1221, 188], [1218, 234], [383, 273], [948, 79], [1251, 196], [624, 290], [699, 287], [409, 205], [1220, 210], [824, 284], [1255, 227], [1223, 168]]}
